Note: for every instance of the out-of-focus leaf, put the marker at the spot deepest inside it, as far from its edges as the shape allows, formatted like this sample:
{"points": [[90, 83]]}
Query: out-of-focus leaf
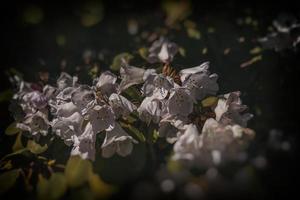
{"points": [[77, 171], [176, 11], [182, 52], [18, 143], [99, 187], [33, 14], [173, 166], [155, 135], [143, 52], [251, 61], [36, 148], [209, 101], [7, 165], [256, 50], [193, 33], [92, 13], [204, 51], [134, 130], [12, 129], [51, 189], [116, 64], [133, 93], [61, 40], [8, 179], [21, 151], [5, 95]]}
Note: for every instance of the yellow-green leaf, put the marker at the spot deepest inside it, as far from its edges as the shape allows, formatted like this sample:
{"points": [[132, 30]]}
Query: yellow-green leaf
{"points": [[12, 129], [99, 187], [51, 189], [35, 148], [8, 179], [209, 101], [77, 171], [143, 52], [116, 64], [18, 143]]}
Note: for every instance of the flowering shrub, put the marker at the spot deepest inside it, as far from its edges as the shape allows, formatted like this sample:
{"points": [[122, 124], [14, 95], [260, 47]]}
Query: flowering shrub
{"points": [[183, 107]]}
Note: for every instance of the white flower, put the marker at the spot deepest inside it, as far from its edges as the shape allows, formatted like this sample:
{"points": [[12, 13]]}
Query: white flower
{"points": [[229, 110], [65, 80], [84, 145], [65, 109], [170, 126], [130, 75], [33, 101], [188, 144], [106, 83], [227, 140], [162, 51], [117, 141], [83, 97], [121, 105], [199, 81], [67, 127], [101, 118], [180, 102], [185, 73], [158, 85], [35, 123], [150, 110]]}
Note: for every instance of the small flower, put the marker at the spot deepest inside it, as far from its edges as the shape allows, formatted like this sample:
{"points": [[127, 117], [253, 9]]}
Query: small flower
{"points": [[180, 102], [229, 110], [120, 105], [170, 126], [230, 138], [162, 51], [285, 36], [84, 145], [199, 81], [83, 97], [106, 83], [35, 123], [117, 141], [158, 85], [33, 101], [67, 127], [188, 144], [65, 80], [185, 73], [150, 110], [130, 75], [65, 109], [101, 118]]}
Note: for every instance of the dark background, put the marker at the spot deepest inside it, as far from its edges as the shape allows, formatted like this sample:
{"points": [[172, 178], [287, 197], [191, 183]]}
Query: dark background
{"points": [[270, 85]]}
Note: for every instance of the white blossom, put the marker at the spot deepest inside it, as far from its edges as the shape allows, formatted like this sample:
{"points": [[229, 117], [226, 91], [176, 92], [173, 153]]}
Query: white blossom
{"points": [[117, 141]]}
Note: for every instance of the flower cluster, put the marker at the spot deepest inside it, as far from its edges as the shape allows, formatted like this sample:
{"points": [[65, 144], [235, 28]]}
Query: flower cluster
{"points": [[285, 36], [183, 106]]}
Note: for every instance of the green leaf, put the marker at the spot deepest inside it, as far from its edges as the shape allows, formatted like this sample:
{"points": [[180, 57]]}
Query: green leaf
{"points": [[12, 129], [209, 101], [8, 179], [115, 66], [51, 189], [134, 130], [99, 187], [18, 143], [77, 171], [194, 33], [35, 148], [143, 52], [21, 151]]}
